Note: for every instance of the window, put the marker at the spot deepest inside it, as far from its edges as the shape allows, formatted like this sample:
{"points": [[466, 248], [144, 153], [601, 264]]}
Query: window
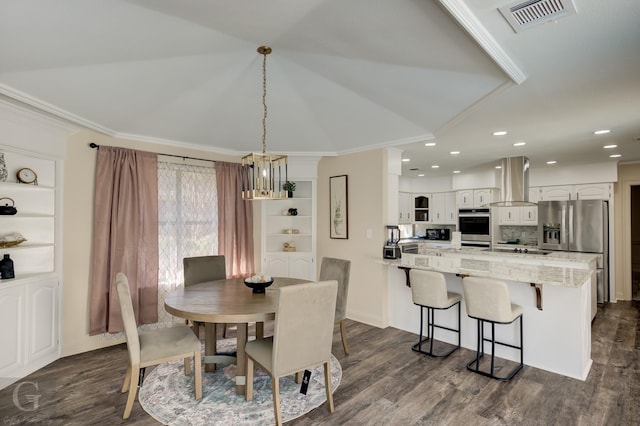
{"points": [[187, 222]]}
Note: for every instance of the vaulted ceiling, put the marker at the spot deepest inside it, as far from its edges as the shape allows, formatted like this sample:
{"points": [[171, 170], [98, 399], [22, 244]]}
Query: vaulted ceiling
{"points": [[344, 76]]}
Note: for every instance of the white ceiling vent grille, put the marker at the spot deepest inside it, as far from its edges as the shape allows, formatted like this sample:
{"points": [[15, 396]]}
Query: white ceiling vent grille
{"points": [[524, 15]]}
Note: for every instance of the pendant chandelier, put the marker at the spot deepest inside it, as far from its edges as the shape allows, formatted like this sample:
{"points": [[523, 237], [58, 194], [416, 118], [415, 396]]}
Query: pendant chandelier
{"points": [[264, 174]]}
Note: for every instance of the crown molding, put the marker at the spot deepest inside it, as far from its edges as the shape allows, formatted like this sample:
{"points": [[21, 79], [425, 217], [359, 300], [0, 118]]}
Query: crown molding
{"points": [[465, 17]]}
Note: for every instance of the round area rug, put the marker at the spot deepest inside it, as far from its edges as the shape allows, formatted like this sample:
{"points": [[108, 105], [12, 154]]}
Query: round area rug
{"points": [[168, 396]]}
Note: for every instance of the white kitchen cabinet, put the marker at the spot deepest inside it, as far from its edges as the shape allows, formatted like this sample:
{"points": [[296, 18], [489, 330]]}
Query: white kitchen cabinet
{"points": [[529, 215], [289, 241], [421, 203], [405, 207], [443, 208], [474, 198], [29, 312], [29, 303], [294, 265], [509, 215], [595, 191]]}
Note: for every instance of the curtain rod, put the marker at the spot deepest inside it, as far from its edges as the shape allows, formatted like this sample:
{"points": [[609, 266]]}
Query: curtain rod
{"points": [[184, 157]]}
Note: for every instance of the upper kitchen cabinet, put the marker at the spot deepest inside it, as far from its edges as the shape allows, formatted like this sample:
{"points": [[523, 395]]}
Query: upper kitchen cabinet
{"points": [[289, 233], [521, 215], [405, 207], [594, 191], [471, 198], [421, 208], [443, 208]]}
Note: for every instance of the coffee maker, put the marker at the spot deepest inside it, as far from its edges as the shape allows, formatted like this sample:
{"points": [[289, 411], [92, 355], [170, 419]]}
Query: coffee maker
{"points": [[391, 249]]}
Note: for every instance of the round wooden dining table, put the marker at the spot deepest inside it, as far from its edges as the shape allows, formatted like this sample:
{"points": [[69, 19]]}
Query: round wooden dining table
{"points": [[227, 301]]}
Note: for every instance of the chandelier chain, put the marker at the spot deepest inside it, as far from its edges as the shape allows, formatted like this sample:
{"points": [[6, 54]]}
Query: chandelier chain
{"points": [[264, 103]]}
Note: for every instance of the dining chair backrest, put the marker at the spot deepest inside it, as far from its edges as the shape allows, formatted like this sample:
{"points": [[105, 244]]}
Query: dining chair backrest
{"points": [[337, 269], [428, 288], [303, 329], [128, 317], [203, 268], [487, 299]]}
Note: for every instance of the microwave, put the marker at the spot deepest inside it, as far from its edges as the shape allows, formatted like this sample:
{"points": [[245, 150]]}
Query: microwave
{"points": [[438, 234]]}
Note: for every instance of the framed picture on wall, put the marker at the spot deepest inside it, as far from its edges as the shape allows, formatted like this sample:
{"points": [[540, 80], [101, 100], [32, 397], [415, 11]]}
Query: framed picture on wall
{"points": [[339, 215]]}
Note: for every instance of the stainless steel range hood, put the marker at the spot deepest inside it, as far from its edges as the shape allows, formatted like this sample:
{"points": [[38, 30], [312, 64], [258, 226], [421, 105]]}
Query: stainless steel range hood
{"points": [[515, 183]]}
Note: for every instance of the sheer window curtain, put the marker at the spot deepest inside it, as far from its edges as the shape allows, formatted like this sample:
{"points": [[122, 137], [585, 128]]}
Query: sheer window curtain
{"points": [[125, 236], [235, 221], [188, 223]]}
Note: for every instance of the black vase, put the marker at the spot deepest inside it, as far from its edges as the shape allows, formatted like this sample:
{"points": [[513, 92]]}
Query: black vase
{"points": [[6, 268]]}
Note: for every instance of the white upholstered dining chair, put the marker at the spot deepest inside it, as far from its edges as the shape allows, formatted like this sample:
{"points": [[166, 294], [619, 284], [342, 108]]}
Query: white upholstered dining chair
{"points": [[302, 338], [200, 269], [154, 347], [338, 269]]}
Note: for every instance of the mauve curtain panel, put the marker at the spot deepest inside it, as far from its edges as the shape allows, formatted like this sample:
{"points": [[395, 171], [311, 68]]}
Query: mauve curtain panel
{"points": [[125, 227], [235, 221]]}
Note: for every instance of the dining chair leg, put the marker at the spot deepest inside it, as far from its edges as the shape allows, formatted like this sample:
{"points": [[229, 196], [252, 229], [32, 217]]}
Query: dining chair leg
{"points": [[248, 390], [127, 379], [197, 374], [133, 389], [275, 387], [298, 377], [187, 366], [343, 333], [327, 385]]}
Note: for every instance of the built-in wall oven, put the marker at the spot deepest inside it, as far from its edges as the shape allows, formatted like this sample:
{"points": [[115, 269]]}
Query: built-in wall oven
{"points": [[475, 227]]}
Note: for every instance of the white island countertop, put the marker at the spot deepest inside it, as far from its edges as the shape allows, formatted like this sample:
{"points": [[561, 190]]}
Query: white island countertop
{"points": [[556, 268]]}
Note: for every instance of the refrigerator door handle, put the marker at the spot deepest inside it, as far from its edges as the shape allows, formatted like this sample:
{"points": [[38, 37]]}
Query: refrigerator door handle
{"points": [[562, 241], [570, 229]]}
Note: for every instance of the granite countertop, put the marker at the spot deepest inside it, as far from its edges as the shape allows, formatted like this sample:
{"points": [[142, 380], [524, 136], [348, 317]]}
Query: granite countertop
{"points": [[557, 268]]}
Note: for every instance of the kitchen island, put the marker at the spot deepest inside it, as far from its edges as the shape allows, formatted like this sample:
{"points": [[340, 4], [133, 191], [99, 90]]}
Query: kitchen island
{"points": [[555, 291]]}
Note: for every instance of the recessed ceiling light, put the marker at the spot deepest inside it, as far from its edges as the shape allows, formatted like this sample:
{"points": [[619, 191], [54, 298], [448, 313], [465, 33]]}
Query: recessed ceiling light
{"points": [[421, 175], [430, 144], [456, 171], [610, 146], [406, 160], [601, 132], [454, 152], [498, 167], [519, 144], [435, 166], [551, 162], [499, 133], [615, 155]]}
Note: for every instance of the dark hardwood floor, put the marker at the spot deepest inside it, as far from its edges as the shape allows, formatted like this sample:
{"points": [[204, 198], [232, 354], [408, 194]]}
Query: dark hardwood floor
{"points": [[384, 383]]}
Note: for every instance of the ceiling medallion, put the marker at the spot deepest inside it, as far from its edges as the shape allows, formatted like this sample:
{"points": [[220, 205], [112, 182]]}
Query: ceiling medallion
{"points": [[263, 174]]}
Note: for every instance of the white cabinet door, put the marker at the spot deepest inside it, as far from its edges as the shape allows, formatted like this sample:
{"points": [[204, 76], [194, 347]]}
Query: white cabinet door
{"points": [[405, 207], [276, 265], [529, 216], [556, 193], [509, 215], [451, 210], [596, 191], [301, 267], [12, 333], [464, 198], [42, 297], [482, 197], [438, 208]]}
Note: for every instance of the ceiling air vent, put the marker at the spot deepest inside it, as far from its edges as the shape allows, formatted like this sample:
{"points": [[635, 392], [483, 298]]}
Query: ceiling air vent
{"points": [[524, 15]]}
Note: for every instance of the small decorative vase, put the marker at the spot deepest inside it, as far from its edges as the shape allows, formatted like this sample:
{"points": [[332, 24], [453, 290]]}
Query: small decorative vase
{"points": [[290, 194], [3, 169], [6, 268]]}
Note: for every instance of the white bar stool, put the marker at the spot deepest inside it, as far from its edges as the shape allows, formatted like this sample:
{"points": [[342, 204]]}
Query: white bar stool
{"points": [[429, 290], [487, 300]]}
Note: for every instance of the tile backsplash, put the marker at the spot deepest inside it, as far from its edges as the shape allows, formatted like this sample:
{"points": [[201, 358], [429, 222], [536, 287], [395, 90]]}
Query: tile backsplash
{"points": [[527, 235]]}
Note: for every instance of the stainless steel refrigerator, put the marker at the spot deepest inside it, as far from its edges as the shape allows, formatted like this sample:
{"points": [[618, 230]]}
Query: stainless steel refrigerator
{"points": [[580, 226]]}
